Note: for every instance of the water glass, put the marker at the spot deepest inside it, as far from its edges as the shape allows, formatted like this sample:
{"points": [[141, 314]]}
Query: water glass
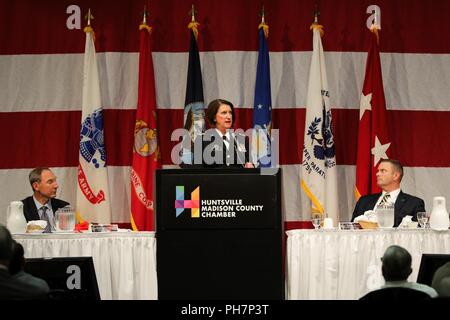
{"points": [[422, 218], [65, 219], [316, 219]]}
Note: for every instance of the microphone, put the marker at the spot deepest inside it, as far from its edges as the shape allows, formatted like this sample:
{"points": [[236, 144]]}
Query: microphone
{"points": [[236, 149]]}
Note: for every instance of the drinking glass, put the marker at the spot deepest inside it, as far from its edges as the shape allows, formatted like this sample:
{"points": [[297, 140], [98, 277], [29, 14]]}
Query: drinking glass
{"points": [[316, 219], [422, 218]]}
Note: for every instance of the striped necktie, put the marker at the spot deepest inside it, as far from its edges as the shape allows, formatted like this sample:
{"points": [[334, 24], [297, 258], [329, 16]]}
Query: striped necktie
{"points": [[385, 199], [45, 217]]}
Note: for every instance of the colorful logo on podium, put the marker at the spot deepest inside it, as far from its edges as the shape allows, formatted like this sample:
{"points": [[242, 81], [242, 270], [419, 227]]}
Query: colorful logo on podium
{"points": [[193, 204]]}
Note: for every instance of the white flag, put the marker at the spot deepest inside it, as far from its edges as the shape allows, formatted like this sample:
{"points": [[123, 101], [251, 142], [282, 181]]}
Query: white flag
{"points": [[93, 201], [319, 176]]}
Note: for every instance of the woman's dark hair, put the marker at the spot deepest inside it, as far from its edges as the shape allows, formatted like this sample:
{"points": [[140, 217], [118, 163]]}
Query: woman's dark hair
{"points": [[212, 109]]}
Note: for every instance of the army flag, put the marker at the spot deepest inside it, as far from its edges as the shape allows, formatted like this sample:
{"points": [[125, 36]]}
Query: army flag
{"points": [[93, 202], [373, 135]]}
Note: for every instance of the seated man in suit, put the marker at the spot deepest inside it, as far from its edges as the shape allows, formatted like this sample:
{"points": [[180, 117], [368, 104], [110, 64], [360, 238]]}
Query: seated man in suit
{"points": [[10, 287], [16, 269], [389, 176], [43, 204]]}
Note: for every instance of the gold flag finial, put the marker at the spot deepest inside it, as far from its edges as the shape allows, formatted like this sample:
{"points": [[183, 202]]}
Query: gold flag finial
{"points": [[262, 15], [144, 15], [316, 14], [89, 17], [88, 27], [192, 12], [144, 23], [263, 24], [315, 24], [193, 25]]}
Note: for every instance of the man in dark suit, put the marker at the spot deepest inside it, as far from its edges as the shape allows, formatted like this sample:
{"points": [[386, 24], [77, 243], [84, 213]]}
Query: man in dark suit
{"points": [[11, 288], [389, 176], [43, 204]]}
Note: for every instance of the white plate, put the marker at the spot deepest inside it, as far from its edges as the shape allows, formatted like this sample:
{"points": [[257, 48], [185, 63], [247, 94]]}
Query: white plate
{"points": [[35, 232], [63, 231]]}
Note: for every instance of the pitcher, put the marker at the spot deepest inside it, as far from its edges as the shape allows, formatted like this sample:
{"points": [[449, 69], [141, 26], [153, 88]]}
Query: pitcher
{"points": [[439, 219], [65, 219], [15, 219]]}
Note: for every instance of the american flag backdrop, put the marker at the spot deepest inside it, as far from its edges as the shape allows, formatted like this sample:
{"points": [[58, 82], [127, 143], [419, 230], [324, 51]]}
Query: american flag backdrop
{"points": [[41, 80]]}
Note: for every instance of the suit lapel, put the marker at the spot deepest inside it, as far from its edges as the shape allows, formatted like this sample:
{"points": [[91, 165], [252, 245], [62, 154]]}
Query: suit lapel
{"points": [[373, 200], [401, 200], [34, 215]]}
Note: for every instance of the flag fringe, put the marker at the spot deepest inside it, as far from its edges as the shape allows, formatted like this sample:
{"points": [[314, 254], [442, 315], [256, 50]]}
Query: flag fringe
{"points": [[145, 26], [316, 26], [374, 29], [265, 28], [90, 30], [317, 207], [193, 25]]}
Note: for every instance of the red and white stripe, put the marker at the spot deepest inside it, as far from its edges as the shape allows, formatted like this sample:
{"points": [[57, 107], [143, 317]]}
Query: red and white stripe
{"points": [[41, 65]]}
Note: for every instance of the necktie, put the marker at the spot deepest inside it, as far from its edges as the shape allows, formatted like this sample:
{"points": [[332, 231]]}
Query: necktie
{"points": [[385, 199], [225, 150], [45, 217]]}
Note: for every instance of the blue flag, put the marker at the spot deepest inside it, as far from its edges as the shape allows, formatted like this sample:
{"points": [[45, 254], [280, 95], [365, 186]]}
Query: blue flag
{"points": [[262, 112]]}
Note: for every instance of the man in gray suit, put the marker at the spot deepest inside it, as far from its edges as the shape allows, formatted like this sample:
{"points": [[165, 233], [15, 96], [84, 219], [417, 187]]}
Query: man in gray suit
{"points": [[43, 204], [389, 177]]}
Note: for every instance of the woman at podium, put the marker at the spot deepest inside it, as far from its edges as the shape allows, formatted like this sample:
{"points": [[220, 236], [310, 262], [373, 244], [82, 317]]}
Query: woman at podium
{"points": [[222, 147]]}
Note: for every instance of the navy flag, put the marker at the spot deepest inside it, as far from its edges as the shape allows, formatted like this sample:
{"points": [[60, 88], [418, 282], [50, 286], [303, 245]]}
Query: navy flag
{"points": [[194, 110]]}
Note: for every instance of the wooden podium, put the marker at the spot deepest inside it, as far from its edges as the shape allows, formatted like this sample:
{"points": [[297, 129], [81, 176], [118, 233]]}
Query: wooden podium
{"points": [[219, 234]]}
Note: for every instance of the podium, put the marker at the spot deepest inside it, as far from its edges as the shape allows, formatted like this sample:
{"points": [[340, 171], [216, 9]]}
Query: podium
{"points": [[219, 234]]}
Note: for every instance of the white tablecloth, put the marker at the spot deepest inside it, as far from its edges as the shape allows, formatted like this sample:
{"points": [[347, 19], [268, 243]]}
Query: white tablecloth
{"points": [[125, 262], [334, 264]]}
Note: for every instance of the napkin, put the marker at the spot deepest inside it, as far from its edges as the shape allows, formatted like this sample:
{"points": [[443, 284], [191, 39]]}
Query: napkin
{"points": [[369, 215], [408, 223], [82, 226]]}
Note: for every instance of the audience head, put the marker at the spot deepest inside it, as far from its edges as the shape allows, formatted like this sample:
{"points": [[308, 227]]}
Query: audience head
{"points": [[389, 174], [6, 243], [43, 182], [441, 280], [17, 259], [396, 264]]}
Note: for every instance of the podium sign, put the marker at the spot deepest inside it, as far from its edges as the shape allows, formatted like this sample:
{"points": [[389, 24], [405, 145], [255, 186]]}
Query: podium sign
{"points": [[219, 234]]}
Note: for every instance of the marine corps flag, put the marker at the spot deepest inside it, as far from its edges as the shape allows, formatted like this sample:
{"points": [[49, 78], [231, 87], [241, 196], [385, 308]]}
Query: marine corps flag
{"points": [[146, 156], [93, 202], [319, 176], [194, 109], [373, 136]]}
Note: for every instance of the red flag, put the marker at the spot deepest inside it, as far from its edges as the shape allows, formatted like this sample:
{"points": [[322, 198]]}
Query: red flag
{"points": [[146, 154], [373, 136]]}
